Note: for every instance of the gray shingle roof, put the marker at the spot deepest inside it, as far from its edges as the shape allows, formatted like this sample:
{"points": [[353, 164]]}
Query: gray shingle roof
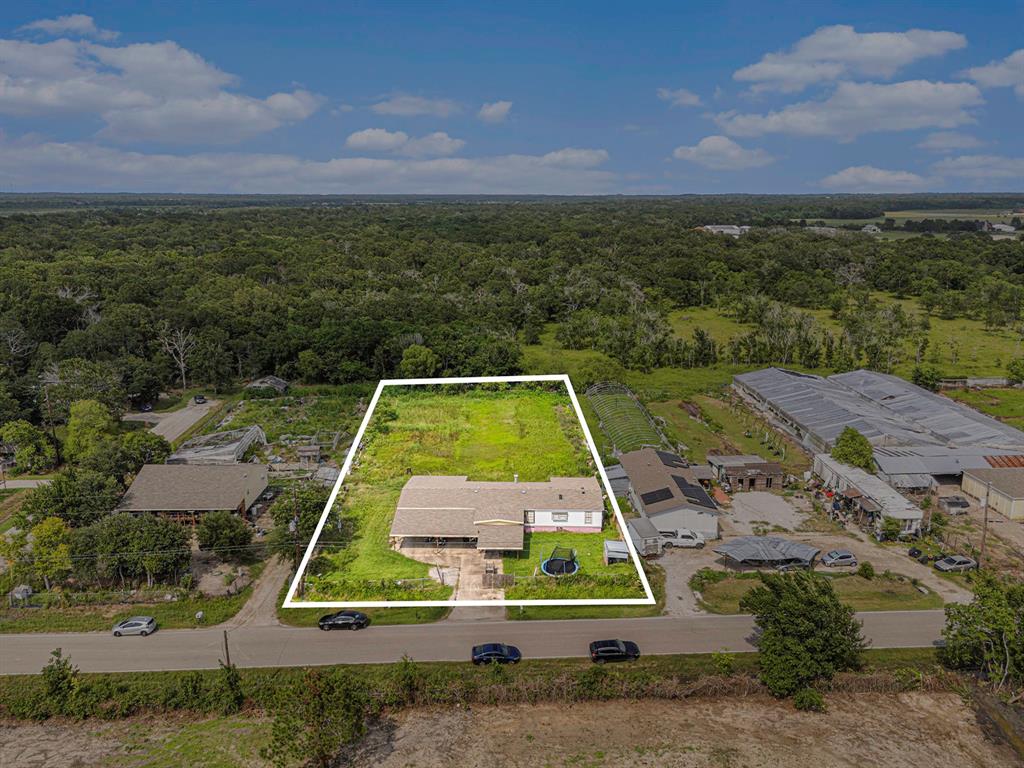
{"points": [[194, 488]]}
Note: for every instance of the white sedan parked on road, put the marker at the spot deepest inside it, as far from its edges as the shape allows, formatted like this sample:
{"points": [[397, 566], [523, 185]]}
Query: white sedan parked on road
{"points": [[137, 625]]}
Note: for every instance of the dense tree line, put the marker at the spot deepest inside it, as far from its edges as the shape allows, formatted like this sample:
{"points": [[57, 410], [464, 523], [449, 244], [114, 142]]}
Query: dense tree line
{"points": [[113, 304]]}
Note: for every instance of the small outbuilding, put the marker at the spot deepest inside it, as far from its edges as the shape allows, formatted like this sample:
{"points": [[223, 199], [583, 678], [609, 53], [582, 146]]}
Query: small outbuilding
{"points": [[747, 472], [645, 536], [275, 383], [1004, 487], [615, 552]]}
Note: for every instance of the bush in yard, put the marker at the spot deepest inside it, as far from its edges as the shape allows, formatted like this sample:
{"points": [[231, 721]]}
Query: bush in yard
{"points": [[809, 700], [866, 571], [226, 534], [1015, 371], [806, 633], [60, 683], [227, 692], [891, 529], [315, 716], [724, 662]]}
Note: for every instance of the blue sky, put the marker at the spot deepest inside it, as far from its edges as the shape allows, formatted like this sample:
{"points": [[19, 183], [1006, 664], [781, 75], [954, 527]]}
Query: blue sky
{"points": [[577, 98]]}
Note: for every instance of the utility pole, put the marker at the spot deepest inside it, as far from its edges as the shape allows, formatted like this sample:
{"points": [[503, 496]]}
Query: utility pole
{"points": [[227, 650], [984, 527]]}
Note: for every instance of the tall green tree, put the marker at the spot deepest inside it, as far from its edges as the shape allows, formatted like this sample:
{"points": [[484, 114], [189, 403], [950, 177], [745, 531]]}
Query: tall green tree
{"points": [[33, 451], [851, 447], [89, 425], [805, 633], [987, 634], [225, 534], [51, 550]]}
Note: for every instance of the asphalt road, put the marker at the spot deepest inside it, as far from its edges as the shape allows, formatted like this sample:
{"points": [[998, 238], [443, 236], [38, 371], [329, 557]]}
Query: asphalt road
{"points": [[171, 425], [273, 646]]}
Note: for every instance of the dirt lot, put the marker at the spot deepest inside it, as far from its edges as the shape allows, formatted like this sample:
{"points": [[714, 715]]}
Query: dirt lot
{"points": [[858, 730]]}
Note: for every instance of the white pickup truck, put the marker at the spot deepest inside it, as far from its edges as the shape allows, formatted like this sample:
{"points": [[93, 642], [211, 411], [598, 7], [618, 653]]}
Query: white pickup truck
{"points": [[681, 537]]}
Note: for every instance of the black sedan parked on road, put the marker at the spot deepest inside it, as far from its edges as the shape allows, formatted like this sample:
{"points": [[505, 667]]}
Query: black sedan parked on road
{"points": [[496, 653], [344, 620], [613, 650]]}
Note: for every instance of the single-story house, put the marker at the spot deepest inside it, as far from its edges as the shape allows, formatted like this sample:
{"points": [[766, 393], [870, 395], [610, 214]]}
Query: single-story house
{"points": [[185, 492], [874, 499], [747, 472], [645, 536], [494, 515], [761, 551], [275, 383], [219, 447], [1003, 485], [663, 489]]}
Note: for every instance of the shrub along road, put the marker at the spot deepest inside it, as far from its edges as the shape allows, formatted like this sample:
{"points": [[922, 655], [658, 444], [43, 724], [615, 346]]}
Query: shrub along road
{"points": [[280, 646]]}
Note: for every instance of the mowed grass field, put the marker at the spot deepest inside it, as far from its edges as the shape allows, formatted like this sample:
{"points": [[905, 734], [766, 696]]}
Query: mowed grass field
{"points": [[484, 433], [877, 594], [1005, 404]]}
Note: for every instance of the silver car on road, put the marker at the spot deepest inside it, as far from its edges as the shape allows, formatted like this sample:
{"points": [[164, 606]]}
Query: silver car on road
{"points": [[137, 625]]}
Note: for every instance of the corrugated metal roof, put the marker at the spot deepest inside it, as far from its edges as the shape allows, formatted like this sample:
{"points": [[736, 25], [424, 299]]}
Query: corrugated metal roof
{"points": [[1004, 461], [766, 549], [887, 410]]}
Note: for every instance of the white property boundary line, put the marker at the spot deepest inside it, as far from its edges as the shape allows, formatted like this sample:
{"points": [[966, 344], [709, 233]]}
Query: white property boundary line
{"points": [[290, 601]]}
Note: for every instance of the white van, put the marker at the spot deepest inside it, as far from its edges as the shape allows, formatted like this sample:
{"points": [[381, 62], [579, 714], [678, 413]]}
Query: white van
{"points": [[681, 537]]}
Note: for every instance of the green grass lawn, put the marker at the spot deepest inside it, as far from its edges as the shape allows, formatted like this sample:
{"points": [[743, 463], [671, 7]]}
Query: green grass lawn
{"points": [[877, 594], [484, 433], [90, 618], [307, 617], [1005, 404], [589, 549]]}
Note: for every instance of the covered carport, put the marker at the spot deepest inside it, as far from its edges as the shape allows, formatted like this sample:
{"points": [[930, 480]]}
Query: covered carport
{"points": [[767, 551]]}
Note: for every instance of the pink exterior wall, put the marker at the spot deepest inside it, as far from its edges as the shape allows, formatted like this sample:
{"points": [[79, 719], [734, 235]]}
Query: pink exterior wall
{"points": [[569, 528]]}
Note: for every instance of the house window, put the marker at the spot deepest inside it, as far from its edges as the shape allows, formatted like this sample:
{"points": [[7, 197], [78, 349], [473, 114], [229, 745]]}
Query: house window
{"points": [[560, 517], [767, 482], [531, 517], [588, 518]]}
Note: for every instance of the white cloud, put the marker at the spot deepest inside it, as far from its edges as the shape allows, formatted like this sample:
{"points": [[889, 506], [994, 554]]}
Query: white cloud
{"points": [[32, 165], [224, 118], [438, 144], [943, 141], [857, 108], [142, 92], [75, 24], [838, 52], [571, 157], [495, 111], [680, 97], [376, 140], [723, 154], [1001, 74], [866, 178], [983, 168], [410, 106]]}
